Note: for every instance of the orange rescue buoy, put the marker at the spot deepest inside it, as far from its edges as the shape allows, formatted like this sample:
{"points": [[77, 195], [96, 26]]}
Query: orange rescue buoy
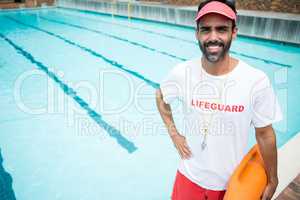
{"points": [[249, 180]]}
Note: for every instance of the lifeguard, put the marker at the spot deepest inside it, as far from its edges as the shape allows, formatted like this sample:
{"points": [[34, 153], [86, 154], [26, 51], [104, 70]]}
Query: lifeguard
{"points": [[209, 159]]}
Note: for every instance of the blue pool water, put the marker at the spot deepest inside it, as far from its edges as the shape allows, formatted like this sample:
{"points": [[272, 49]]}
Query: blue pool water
{"points": [[78, 116]]}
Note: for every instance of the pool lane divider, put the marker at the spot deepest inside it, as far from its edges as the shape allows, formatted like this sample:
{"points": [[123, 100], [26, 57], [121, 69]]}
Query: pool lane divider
{"points": [[112, 131], [113, 37], [261, 59], [92, 52], [6, 183], [123, 25], [168, 36]]}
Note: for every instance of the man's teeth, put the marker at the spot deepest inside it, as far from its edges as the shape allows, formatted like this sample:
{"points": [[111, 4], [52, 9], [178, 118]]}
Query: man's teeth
{"points": [[213, 47]]}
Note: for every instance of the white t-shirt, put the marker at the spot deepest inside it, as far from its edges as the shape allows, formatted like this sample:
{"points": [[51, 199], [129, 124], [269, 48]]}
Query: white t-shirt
{"points": [[227, 106]]}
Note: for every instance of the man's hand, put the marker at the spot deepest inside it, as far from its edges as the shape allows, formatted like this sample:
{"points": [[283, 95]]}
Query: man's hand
{"points": [[181, 146], [270, 190]]}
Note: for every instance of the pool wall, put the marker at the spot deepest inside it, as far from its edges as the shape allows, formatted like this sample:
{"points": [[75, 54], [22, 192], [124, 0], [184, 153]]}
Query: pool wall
{"points": [[279, 27]]}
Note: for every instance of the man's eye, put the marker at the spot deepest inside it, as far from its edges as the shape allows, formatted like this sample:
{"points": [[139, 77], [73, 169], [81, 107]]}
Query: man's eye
{"points": [[222, 29], [204, 30]]}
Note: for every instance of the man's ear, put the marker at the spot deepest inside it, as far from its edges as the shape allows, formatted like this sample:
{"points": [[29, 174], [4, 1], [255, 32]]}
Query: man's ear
{"points": [[197, 34], [234, 32]]}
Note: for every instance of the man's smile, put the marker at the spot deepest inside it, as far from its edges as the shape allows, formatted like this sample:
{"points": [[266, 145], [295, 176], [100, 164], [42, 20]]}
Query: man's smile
{"points": [[214, 48]]}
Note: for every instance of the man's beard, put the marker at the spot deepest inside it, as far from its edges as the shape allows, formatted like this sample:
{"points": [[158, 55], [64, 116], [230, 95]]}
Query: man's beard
{"points": [[215, 57]]}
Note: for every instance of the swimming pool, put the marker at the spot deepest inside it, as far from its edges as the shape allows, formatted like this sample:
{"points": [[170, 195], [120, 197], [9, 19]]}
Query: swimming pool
{"points": [[78, 116]]}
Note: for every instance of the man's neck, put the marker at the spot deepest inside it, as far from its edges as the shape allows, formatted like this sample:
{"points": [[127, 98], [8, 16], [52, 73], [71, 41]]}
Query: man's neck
{"points": [[221, 67]]}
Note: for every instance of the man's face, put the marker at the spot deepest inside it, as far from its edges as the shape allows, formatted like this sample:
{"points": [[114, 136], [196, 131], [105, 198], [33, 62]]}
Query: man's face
{"points": [[214, 36]]}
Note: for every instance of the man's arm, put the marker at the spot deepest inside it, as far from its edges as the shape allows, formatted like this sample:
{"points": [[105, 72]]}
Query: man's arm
{"points": [[266, 140], [166, 114]]}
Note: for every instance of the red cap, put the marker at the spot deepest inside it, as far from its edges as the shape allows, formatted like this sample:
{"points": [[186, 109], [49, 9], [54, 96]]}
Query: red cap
{"points": [[217, 7]]}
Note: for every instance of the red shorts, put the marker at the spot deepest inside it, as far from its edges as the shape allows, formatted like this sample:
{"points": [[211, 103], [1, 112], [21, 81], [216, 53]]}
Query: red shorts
{"points": [[184, 189]]}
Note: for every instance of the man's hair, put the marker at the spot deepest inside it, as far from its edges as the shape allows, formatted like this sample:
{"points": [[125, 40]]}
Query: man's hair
{"points": [[230, 3]]}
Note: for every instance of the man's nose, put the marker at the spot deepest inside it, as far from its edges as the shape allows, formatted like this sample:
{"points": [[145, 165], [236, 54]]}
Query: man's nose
{"points": [[213, 35]]}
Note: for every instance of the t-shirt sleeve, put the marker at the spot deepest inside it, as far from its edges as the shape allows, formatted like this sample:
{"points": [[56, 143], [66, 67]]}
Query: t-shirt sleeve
{"points": [[265, 105], [171, 86]]}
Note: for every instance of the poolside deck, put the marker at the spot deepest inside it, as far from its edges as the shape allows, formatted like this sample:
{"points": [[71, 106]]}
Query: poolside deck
{"points": [[292, 192], [254, 13], [11, 5], [289, 170]]}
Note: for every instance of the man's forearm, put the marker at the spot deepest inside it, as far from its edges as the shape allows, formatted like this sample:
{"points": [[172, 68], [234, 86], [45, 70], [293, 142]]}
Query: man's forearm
{"points": [[178, 140], [266, 140], [166, 113]]}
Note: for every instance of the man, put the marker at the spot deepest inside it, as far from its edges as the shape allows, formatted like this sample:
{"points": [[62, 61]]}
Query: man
{"points": [[222, 98]]}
